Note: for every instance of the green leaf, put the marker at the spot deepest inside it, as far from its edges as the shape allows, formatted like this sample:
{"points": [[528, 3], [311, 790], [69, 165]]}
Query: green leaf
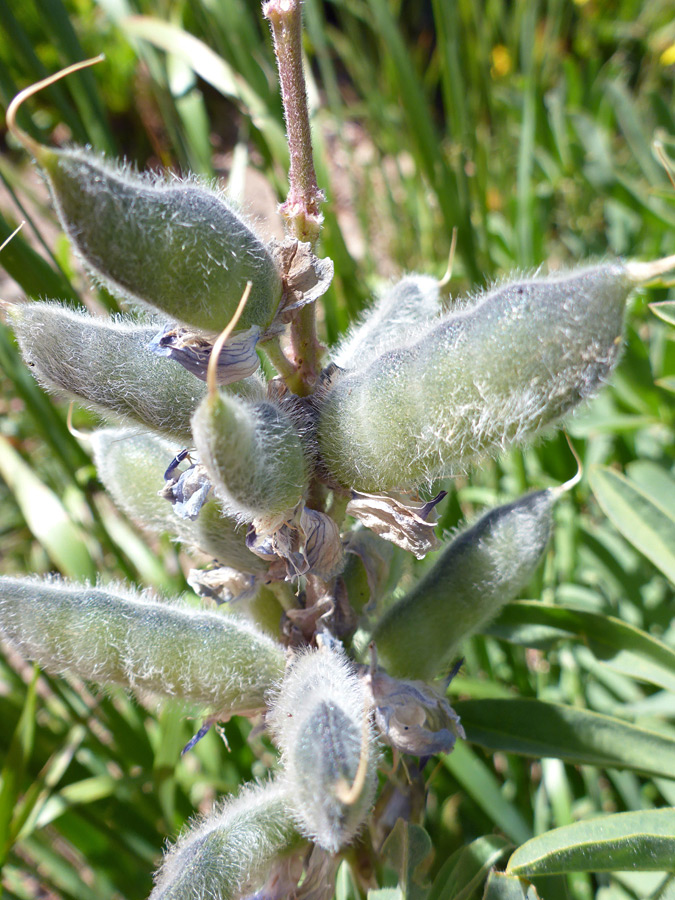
{"points": [[479, 782], [46, 517], [501, 886], [407, 851], [466, 869], [535, 728], [621, 646], [14, 768], [647, 525], [642, 840], [664, 310]]}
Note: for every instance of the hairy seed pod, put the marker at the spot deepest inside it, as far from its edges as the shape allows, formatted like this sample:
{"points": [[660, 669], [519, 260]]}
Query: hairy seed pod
{"points": [[477, 381], [114, 636], [131, 467], [177, 246], [398, 316], [230, 852], [320, 722], [253, 454], [106, 363], [474, 576]]}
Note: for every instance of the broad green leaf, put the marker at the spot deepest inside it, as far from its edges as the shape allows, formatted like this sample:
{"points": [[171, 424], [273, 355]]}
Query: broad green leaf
{"points": [[467, 868], [631, 840], [535, 728], [621, 646], [654, 480], [501, 886], [46, 517], [479, 782], [407, 851], [664, 310], [647, 525]]}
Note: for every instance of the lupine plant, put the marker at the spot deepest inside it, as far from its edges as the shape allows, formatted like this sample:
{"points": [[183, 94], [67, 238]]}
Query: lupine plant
{"points": [[294, 480]]}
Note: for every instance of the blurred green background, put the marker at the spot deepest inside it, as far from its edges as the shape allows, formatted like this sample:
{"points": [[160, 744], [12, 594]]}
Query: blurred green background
{"points": [[529, 128]]}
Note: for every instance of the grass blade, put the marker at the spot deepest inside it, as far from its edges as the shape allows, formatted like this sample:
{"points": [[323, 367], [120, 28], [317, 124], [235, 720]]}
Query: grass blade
{"points": [[647, 525], [536, 728], [642, 840]]}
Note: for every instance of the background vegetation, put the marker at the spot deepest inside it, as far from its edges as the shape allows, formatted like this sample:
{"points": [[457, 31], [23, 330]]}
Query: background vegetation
{"points": [[529, 127]]}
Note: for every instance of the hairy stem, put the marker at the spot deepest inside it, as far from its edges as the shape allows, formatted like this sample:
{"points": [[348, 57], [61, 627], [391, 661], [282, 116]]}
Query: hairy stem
{"points": [[302, 207]]}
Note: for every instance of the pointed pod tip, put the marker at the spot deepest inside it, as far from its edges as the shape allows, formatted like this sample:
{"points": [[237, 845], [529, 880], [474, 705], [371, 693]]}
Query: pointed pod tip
{"points": [[42, 154], [641, 272]]}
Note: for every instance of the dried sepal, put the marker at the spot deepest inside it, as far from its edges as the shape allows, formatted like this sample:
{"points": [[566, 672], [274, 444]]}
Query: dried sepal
{"points": [[192, 350], [404, 523]]}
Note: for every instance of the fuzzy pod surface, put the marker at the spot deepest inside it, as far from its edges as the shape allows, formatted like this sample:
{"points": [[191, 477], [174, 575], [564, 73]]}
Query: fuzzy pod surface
{"points": [[106, 364], [474, 576], [131, 466], [177, 246], [253, 454], [114, 636], [401, 313], [477, 381], [230, 852], [319, 720]]}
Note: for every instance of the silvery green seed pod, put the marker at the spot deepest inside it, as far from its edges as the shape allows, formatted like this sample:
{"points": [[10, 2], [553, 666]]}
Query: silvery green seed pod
{"points": [[131, 466], [107, 364], [229, 853], [113, 636], [397, 317], [473, 577], [177, 246], [254, 456], [477, 381], [320, 720]]}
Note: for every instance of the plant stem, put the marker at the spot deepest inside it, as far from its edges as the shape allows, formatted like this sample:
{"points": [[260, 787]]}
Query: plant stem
{"points": [[302, 207]]}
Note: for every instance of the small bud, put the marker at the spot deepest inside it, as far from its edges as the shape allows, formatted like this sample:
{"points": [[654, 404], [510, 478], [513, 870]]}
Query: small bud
{"points": [[476, 382], [253, 455], [329, 756], [113, 636], [177, 246], [106, 363], [229, 853], [131, 467], [400, 315], [474, 576]]}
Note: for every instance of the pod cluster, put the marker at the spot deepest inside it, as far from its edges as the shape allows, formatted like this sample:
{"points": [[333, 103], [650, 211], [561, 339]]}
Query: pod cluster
{"points": [[241, 470]]}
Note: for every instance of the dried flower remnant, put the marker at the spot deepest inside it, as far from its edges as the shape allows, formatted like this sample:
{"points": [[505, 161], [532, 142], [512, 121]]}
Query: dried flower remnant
{"points": [[407, 525]]}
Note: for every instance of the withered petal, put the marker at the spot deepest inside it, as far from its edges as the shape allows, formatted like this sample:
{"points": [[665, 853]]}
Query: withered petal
{"points": [[403, 524], [238, 358]]}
